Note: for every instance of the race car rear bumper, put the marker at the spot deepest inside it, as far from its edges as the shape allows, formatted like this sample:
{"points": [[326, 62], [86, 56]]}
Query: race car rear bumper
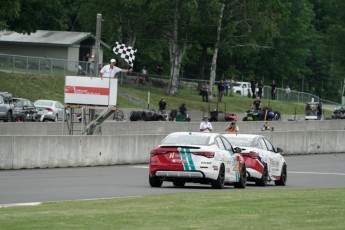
{"points": [[181, 174]]}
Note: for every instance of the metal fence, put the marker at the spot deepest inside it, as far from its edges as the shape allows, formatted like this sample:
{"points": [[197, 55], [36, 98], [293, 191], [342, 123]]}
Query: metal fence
{"points": [[39, 65], [58, 67]]}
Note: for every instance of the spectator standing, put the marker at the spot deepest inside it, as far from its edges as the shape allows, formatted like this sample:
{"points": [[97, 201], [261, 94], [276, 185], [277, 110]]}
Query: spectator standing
{"points": [[226, 87], [159, 69], [253, 86], [92, 66], [220, 90], [260, 89], [232, 128], [145, 73], [205, 125], [273, 90], [319, 111], [162, 106], [110, 70], [204, 92], [231, 86], [287, 93]]}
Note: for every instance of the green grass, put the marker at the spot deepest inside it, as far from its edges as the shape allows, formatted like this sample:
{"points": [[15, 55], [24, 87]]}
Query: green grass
{"points": [[232, 209], [52, 87]]}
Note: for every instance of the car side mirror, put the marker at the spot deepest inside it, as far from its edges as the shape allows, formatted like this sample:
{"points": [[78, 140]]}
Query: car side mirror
{"points": [[237, 150], [279, 150]]}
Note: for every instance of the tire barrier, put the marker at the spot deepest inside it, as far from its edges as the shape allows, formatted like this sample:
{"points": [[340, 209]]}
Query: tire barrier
{"points": [[137, 116], [146, 116]]}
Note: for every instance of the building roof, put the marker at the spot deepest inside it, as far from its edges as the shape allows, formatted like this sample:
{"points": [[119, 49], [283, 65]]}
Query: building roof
{"points": [[59, 38]]}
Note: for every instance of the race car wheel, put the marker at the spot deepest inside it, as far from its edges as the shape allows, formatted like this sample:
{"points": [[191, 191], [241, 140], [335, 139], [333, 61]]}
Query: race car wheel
{"points": [[283, 177], [219, 183], [179, 183], [243, 178], [155, 181], [263, 180], [244, 119]]}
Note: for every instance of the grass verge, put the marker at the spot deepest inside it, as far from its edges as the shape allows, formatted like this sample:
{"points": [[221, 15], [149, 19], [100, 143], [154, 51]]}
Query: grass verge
{"points": [[232, 209]]}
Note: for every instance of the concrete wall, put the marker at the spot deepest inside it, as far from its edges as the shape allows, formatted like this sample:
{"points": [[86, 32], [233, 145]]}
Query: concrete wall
{"points": [[48, 145], [45, 151], [111, 127]]}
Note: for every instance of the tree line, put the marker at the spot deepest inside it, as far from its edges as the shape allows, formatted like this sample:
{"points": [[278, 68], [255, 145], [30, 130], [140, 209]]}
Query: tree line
{"points": [[294, 42]]}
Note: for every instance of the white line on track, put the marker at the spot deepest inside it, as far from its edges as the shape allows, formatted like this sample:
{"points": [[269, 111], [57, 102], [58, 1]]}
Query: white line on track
{"points": [[140, 166], [38, 203], [319, 173]]}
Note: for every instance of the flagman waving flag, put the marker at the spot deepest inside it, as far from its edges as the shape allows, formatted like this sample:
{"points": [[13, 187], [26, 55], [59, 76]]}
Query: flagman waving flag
{"points": [[125, 52]]}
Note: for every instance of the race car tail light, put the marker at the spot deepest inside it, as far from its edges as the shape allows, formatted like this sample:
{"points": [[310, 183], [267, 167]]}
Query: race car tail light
{"points": [[49, 109], [205, 154], [251, 154], [156, 152]]}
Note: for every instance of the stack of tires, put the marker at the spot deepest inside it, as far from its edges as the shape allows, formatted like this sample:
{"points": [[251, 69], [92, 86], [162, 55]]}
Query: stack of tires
{"points": [[146, 116], [137, 116]]}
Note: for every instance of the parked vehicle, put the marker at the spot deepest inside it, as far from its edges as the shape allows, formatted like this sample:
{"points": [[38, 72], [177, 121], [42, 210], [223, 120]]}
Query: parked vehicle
{"points": [[264, 162], [242, 88], [313, 111], [338, 113], [6, 107], [24, 110], [50, 110], [206, 158], [260, 115], [230, 117]]}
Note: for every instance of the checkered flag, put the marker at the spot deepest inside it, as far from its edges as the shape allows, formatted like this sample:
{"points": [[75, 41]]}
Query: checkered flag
{"points": [[125, 52]]}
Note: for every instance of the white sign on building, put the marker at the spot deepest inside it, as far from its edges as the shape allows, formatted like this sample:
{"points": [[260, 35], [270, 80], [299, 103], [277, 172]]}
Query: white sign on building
{"points": [[90, 91]]}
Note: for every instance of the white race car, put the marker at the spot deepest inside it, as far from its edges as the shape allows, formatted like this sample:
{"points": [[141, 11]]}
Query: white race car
{"points": [[205, 158], [264, 162]]}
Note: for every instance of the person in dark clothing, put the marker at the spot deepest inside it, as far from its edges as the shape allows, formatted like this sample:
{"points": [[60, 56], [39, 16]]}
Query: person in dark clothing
{"points": [[204, 92], [273, 90], [260, 89], [319, 111], [257, 104], [253, 86], [162, 105], [221, 89], [183, 109]]}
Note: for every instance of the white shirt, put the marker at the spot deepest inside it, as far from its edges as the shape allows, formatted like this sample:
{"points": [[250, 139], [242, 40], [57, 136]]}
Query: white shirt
{"points": [[110, 72], [204, 125]]}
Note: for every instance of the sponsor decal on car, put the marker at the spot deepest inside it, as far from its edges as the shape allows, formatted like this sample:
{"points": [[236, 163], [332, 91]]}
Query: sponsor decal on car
{"points": [[187, 159]]}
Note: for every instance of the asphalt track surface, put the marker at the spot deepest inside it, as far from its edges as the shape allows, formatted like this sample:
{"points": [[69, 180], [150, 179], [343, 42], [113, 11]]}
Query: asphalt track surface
{"points": [[60, 184]]}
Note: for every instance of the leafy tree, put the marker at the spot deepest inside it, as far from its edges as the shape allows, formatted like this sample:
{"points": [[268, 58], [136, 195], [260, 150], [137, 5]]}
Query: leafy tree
{"points": [[9, 10]]}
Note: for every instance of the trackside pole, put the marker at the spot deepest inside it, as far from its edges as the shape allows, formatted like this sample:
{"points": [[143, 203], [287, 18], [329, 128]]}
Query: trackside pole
{"points": [[148, 100]]}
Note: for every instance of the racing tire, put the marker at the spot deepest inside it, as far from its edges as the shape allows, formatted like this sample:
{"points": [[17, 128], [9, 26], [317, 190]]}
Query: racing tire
{"points": [[263, 180], [219, 182], [179, 183], [283, 177], [155, 182], [244, 119], [243, 178]]}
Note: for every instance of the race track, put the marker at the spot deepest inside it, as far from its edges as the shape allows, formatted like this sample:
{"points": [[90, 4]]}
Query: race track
{"points": [[40, 185]]}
